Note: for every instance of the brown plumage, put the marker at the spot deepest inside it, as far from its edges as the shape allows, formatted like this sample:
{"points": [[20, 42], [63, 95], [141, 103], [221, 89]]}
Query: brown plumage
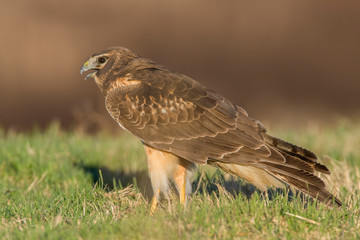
{"points": [[182, 123]]}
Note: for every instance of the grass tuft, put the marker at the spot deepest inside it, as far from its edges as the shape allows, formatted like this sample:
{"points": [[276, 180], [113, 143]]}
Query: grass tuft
{"points": [[70, 185]]}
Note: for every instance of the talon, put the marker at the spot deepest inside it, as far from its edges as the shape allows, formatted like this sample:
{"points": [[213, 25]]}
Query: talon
{"points": [[153, 205]]}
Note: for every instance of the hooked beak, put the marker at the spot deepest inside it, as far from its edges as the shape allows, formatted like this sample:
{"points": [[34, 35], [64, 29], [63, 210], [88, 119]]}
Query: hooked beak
{"points": [[87, 68]]}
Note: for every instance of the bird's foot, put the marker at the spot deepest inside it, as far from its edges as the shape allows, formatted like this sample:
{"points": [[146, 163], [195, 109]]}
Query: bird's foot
{"points": [[154, 202]]}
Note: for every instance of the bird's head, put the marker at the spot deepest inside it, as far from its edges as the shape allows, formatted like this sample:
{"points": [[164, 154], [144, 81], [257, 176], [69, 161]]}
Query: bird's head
{"points": [[105, 63]]}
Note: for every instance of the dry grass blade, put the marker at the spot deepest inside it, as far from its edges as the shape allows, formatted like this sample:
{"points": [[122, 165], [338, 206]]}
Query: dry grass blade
{"points": [[123, 193], [35, 182], [198, 185], [303, 218]]}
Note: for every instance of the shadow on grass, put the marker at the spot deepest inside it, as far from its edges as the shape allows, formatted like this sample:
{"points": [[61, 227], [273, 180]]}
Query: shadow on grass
{"points": [[111, 179], [236, 186], [202, 184]]}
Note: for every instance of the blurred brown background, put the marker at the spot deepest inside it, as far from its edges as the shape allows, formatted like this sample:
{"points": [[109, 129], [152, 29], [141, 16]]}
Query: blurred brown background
{"points": [[296, 58]]}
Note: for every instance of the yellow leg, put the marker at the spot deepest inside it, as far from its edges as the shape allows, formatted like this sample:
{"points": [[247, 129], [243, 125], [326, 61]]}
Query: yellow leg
{"points": [[183, 193], [154, 202], [180, 181]]}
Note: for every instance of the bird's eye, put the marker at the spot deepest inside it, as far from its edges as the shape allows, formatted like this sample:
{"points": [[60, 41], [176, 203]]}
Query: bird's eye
{"points": [[101, 60]]}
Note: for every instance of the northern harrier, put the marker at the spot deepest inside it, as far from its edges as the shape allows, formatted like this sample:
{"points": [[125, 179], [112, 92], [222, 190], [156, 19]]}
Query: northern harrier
{"points": [[182, 123]]}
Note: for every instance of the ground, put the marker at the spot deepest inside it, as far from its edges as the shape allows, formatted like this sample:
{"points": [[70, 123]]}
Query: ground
{"points": [[59, 184]]}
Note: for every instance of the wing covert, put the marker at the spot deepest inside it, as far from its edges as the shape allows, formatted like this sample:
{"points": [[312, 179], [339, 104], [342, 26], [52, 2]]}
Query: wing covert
{"points": [[174, 113]]}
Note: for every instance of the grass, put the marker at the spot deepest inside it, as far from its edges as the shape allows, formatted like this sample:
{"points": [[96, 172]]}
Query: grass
{"points": [[51, 188]]}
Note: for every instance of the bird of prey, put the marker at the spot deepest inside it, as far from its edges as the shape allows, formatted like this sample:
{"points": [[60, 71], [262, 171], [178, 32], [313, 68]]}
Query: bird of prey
{"points": [[181, 123]]}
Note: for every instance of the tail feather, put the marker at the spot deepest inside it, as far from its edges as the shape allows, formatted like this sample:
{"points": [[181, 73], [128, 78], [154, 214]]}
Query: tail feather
{"points": [[291, 149], [299, 174], [287, 163], [311, 167], [298, 152], [316, 192], [305, 181]]}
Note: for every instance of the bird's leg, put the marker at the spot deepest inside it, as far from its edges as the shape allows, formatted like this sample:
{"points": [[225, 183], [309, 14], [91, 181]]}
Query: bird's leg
{"points": [[160, 165], [182, 175], [180, 181]]}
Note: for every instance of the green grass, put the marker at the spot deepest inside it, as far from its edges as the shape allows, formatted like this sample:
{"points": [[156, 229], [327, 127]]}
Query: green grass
{"points": [[51, 188]]}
